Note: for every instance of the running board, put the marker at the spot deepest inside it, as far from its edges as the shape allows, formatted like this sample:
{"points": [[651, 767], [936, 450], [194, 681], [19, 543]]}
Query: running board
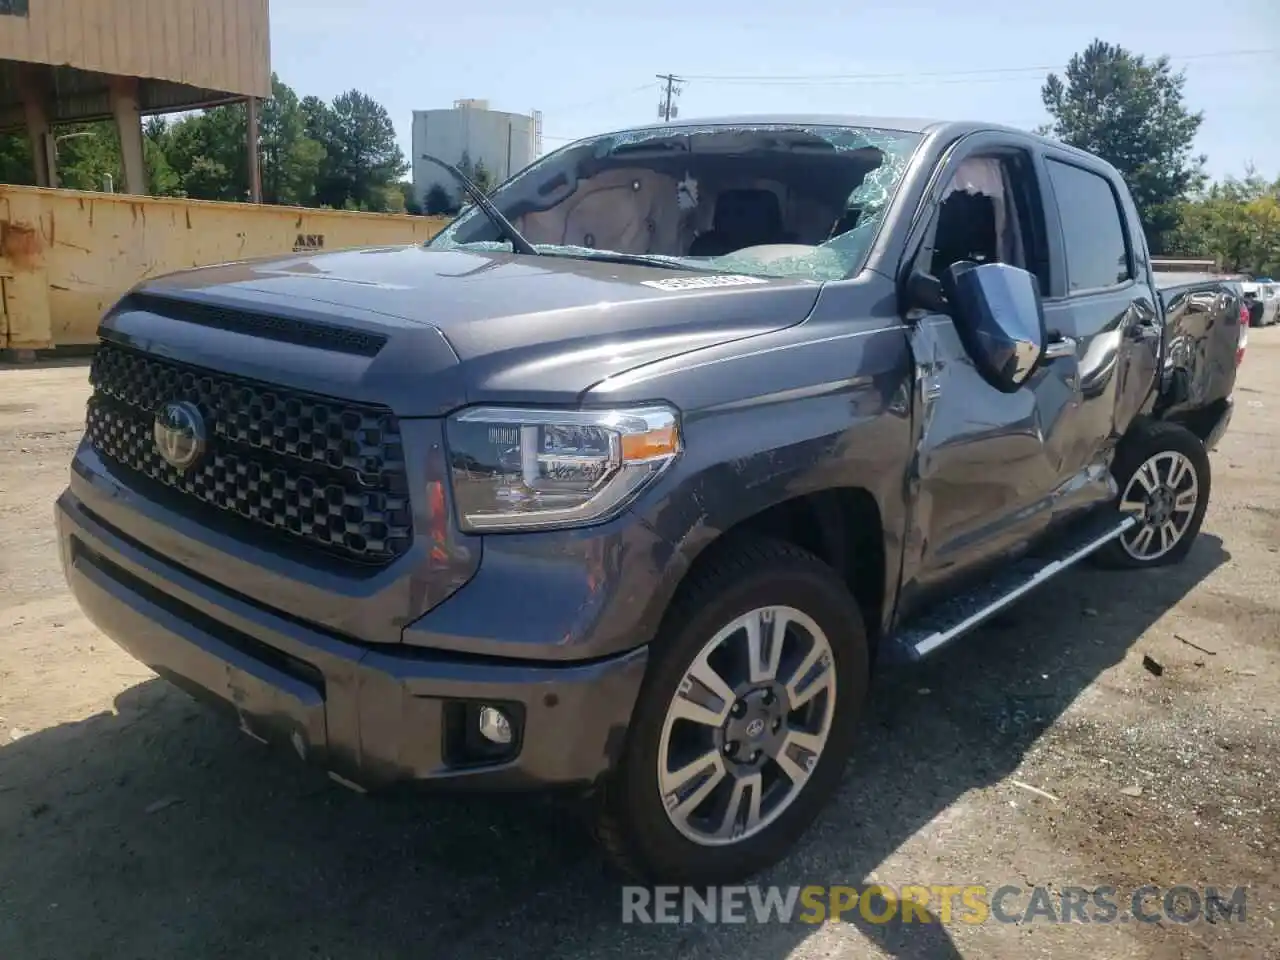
{"points": [[954, 618]]}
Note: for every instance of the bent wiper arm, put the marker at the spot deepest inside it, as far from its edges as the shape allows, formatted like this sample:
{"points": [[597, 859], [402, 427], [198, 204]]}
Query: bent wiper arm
{"points": [[518, 242]]}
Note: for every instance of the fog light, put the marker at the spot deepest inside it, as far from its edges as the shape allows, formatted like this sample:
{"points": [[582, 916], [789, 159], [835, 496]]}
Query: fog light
{"points": [[494, 725]]}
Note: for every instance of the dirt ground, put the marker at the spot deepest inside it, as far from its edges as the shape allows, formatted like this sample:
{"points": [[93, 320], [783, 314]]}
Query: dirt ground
{"points": [[134, 824]]}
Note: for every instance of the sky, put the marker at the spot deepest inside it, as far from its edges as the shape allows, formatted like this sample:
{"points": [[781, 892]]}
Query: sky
{"points": [[591, 68]]}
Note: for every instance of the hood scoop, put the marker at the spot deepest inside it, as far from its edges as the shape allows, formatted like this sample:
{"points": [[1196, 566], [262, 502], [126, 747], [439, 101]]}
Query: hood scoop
{"points": [[254, 323]]}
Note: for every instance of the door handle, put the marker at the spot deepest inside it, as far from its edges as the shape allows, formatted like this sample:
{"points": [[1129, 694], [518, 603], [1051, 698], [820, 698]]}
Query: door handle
{"points": [[1060, 348]]}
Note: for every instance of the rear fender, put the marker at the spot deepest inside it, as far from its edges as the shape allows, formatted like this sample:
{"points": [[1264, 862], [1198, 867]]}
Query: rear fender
{"points": [[1202, 334]]}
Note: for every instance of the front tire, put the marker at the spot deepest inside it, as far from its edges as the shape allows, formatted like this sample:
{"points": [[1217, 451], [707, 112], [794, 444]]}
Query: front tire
{"points": [[745, 720], [1163, 473]]}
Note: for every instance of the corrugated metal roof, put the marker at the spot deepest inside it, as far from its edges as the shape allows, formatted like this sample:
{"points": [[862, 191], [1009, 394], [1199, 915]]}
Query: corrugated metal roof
{"points": [[79, 96]]}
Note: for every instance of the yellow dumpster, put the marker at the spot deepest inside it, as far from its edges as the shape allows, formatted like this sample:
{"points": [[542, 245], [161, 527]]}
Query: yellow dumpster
{"points": [[67, 255]]}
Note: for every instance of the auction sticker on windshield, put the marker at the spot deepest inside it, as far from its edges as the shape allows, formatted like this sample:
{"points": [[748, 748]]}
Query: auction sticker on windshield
{"points": [[699, 283]]}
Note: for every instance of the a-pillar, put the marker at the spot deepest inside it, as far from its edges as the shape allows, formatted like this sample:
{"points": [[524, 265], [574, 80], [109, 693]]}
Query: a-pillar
{"points": [[34, 91], [124, 105]]}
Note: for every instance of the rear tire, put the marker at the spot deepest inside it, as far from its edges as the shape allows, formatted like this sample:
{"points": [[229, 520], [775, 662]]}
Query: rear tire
{"points": [[1162, 470], [769, 751]]}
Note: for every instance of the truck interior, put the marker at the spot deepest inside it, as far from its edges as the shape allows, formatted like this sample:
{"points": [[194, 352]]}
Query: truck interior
{"points": [[988, 215], [709, 193]]}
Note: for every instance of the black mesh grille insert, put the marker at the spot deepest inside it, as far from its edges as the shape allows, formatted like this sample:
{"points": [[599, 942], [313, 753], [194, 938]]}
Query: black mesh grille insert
{"points": [[324, 472]]}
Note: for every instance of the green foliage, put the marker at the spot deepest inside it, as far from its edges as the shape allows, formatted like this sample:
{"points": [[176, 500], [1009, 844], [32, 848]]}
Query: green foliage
{"points": [[482, 177], [15, 159], [164, 180], [1130, 112], [290, 158], [362, 154], [207, 153], [1236, 222], [477, 173], [88, 156], [392, 198], [408, 199], [437, 200], [341, 155]]}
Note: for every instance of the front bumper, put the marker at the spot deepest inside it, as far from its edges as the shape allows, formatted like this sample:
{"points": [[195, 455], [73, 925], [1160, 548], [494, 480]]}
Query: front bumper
{"points": [[371, 716]]}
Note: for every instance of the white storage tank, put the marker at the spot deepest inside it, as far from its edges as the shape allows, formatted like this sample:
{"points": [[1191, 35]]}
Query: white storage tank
{"points": [[504, 142]]}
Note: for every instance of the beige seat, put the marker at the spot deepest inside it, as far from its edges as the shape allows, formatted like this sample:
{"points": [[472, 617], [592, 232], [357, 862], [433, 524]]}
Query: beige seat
{"points": [[630, 211]]}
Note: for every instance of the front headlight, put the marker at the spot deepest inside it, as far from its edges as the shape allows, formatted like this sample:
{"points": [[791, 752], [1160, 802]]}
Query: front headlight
{"points": [[528, 469]]}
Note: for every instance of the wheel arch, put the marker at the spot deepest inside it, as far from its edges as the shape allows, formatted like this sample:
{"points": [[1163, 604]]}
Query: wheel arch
{"points": [[842, 526]]}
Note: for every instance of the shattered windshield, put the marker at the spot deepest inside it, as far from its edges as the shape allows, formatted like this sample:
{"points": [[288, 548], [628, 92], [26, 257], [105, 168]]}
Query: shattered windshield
{"points": [[768, 200]]}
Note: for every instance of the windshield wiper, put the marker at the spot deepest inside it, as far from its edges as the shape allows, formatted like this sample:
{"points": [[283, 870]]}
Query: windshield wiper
{"points": [[609, 256], [518, 242]]}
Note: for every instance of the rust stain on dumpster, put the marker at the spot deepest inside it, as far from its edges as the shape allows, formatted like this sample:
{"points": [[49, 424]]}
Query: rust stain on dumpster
{"points": [[21, 245], [68, 255]]}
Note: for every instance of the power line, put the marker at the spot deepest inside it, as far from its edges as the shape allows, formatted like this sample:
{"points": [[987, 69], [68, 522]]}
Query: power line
{"points": [[667, 108], [605, 98], [994, 73], [670, 83]]}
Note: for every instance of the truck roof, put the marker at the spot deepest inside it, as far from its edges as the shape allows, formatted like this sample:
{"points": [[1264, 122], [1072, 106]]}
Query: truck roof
{"points": [[903, 124], [921, 125]]}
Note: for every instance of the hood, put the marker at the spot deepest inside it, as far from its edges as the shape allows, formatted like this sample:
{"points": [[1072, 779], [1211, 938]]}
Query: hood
{"points": [[480, 327]]}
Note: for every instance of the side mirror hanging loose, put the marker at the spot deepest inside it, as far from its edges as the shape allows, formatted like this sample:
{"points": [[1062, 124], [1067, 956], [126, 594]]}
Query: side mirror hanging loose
{"points": [[999, 317]]}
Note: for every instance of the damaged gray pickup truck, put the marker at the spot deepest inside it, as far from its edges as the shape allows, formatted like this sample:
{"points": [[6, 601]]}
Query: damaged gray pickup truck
{"points": [[631, 478]]}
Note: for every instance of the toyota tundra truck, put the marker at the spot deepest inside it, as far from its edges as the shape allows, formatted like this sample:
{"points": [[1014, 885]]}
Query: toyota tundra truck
{"points": [[631, 479]]}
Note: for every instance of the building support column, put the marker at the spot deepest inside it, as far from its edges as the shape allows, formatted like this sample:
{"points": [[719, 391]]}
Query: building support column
{"points": [[34, 94], [124, 105], [255, 168]]}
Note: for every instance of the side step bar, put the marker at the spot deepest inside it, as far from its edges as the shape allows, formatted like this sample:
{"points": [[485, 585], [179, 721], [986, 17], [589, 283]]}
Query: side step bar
{"points": [[956, 618]]}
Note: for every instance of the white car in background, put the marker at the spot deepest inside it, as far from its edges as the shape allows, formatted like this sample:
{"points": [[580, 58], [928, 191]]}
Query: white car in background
{"points": [[1266, 293], [1270, 301]]}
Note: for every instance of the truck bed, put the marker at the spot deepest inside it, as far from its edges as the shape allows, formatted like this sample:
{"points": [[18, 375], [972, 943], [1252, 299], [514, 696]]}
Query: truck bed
{"points": [[1203, 333]]}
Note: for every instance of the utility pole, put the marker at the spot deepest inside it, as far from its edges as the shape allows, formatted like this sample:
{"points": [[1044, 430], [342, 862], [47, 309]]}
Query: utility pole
{"points": [[667, 109]]}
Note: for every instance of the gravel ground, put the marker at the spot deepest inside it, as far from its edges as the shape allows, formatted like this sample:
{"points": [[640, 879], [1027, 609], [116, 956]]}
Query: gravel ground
{"points": [[134, 824]]}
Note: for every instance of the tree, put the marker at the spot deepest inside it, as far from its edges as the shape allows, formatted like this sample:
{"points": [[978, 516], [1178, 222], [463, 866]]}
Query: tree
{"points": [[390, 199], [437, 200], [408, 199], [316, 119], [342, 155], [162, 178], [15, 159], [1130, 112], [208, 153], [88, 158], [482, 177], [88, 154], [290, 158], [362, 155], [1236, 222]]}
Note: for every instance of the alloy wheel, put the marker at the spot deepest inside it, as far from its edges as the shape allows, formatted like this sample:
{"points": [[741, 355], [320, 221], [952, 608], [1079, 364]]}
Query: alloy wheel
{"points": [[1162, 494], [747, 725]]}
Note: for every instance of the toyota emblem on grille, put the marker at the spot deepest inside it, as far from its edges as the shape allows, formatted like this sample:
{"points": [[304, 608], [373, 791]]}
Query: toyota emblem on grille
{"points": [[180, 434]]}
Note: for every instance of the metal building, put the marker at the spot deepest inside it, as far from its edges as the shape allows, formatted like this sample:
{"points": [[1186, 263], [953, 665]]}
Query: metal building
{"points": [[64, 61], [505, 143]]}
